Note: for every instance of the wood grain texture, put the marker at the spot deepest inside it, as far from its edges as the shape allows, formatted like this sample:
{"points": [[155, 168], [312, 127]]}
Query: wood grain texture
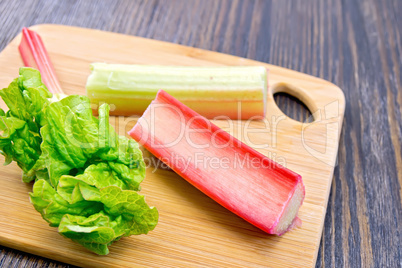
{"points": [[354, 44]]}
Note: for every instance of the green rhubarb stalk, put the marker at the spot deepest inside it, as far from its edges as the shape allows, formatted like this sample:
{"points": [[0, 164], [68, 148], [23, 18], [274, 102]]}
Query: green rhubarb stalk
{"points": [[237, 92]]}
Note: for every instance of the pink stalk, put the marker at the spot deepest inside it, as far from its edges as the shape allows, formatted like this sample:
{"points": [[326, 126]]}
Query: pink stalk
{"points": [[34, 54], [235, 175]]}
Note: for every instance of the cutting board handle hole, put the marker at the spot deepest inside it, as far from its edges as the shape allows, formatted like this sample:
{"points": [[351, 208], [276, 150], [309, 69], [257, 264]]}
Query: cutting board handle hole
{"points": [[290, 104]]}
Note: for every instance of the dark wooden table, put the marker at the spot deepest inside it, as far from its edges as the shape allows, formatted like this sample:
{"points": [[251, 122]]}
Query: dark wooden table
{"points": [[356, 44]]}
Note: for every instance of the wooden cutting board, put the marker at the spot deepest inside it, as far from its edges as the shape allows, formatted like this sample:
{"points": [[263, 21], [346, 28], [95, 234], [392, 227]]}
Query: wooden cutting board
{"points": [[193, 230]]}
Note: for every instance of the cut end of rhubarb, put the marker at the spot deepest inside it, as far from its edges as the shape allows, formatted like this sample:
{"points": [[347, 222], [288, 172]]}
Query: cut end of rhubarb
{"points": [[289, 219]]}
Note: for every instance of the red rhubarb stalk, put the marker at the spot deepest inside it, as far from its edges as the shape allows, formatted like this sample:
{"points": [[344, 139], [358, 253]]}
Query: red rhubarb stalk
{"points": [[34, 54], [236, 176]]}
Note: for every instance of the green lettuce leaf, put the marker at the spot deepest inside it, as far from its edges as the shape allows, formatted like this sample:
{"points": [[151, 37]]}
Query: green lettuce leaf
{"points": [[54, 207], [125, 213], [86, 176], [70, 137], [17, 143], [26, 97], [95, 232]]}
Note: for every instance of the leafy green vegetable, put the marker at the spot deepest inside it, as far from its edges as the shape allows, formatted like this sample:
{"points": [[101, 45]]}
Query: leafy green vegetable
{"points": [[86, 176]]}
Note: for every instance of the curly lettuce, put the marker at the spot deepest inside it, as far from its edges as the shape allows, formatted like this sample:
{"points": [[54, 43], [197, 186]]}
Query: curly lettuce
{"points": [[86, 177]]}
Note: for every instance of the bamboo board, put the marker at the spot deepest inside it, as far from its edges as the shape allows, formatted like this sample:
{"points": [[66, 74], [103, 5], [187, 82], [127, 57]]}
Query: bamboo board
{"points": [[193, 230]]}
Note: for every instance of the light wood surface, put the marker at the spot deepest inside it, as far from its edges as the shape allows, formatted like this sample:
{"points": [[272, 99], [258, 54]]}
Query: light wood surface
{"points": [[193, 230]]}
